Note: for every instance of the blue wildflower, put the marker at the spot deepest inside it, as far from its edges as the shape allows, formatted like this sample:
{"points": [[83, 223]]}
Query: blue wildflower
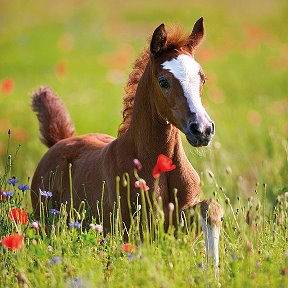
{"points": [[75, 282], [54, 211], [45, 194], [200, 265], [55, 259], [8, 193], [75, 224], [130, 257], [13, 181], [234, 256], [23, 187]]}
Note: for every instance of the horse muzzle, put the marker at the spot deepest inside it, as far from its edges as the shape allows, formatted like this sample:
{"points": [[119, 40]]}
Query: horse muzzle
{"points": [[199, 134]]}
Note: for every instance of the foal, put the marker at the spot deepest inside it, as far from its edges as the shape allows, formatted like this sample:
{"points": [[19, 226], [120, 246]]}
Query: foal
{"points": [[162, 100]]}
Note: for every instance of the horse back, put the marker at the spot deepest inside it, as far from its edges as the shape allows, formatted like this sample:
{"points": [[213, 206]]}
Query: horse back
{"points": [[83, 154]]}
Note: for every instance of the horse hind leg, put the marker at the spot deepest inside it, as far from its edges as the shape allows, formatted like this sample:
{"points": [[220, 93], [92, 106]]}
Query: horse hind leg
{"points": [[211, 221]]}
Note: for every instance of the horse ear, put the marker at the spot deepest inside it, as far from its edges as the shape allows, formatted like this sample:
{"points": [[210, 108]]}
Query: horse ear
{"points": [[159, 39], [197, 34]]}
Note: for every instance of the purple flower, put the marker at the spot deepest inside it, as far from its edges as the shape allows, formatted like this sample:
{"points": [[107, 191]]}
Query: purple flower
{"points": [[13, 181], [234, 256], [36, 225], [97, 227], [8, 193], [76, 282], [200, 265], [130, 257], [55, 259], [45, 194], [23, 187], [75, 224], [54, 211], [137, 164]]}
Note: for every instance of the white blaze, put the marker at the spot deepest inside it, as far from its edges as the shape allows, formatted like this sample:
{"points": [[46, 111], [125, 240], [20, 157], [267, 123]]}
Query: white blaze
{"points": [[186, 70]]}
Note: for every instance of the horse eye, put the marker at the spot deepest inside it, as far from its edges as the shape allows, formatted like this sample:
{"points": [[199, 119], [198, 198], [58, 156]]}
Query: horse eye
{"points": [[163, 82]]}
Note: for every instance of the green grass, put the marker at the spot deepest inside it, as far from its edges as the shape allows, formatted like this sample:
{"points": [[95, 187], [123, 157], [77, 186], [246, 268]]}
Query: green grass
{"points": [[244, 56]]}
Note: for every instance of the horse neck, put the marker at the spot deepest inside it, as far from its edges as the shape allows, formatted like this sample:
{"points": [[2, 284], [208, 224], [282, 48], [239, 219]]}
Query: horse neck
{"points": [[148, 131]]}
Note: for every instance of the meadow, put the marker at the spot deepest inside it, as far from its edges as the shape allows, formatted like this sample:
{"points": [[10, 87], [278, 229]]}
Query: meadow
{"points": [[84, 51]]}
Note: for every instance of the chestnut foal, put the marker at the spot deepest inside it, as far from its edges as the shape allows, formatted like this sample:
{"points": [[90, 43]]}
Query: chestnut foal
{"points": [[163, 97]]}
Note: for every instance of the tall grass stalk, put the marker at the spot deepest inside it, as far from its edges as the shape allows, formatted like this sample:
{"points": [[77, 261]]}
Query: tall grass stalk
{"points": [[71, 212]]}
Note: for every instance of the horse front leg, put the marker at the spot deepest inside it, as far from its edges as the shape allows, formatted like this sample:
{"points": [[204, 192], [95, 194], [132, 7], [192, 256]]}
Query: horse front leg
{"points": [[211, 213], [211, 220]]}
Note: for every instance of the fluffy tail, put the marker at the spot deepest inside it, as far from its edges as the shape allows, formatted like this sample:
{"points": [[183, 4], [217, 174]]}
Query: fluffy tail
{"points": [[54, 120]]}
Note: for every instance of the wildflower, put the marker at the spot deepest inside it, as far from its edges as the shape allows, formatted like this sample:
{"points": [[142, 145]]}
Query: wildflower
{"points": [[200, 265], [76, 282], [75, 224], [36, 225], [96, 227], [12, 181], [13, 242], [23, 187], [8, 194], [102, 241], [18, 215], [34, 242], [164, 164], [50, 248], [128, 247], [130, 257], [54, 211], [7, 85], [45, 194], [137, 164], [55, 259], [233, 256], [171, 206], [141, 184]]}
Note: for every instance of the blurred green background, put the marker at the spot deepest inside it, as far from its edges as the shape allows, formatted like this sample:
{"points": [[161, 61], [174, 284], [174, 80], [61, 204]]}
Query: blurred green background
{"points": [[84, 51]]}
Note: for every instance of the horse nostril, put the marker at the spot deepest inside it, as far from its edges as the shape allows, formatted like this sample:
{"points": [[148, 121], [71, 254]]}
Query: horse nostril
{"points": [[194, 129], [210, 129]]}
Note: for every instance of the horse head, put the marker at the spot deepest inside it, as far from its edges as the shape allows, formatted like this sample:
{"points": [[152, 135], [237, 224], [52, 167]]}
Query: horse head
{"points": [[178, 80]]}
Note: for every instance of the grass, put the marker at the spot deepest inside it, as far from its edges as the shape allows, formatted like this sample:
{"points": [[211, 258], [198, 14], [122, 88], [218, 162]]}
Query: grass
{"points": [[84, 51]]}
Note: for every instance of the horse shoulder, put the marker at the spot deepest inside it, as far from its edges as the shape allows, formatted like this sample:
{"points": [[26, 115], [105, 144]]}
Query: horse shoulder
{"points": [[187, 182]]}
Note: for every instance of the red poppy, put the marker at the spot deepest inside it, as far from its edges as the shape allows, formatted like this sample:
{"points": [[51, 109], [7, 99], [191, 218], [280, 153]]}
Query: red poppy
{"points": [[164, 164], [18, 215], [7, 85], [13, 242], [141, 184], [129, 248]]}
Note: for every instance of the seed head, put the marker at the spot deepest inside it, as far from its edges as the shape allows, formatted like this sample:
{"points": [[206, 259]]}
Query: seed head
{"points": [[171, 207]]}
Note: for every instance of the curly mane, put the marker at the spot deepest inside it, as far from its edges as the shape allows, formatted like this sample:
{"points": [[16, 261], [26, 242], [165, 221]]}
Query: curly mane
{"points": [[175, 40]]}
